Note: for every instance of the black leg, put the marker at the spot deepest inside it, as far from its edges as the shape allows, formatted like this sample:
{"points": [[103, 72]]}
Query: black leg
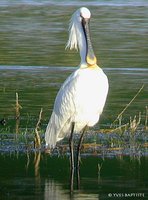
{"points": [[71, 157], [71, 179], [78, 156], [79, 147], [71, 147]]}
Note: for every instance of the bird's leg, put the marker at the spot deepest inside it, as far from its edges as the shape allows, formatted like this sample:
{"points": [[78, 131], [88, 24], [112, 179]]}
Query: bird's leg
{"points": [[71, 147], [71, 179], [78, 156], [79, 147], [71, 156]]}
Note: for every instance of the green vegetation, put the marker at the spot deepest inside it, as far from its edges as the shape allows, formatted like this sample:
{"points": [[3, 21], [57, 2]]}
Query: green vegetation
{"points": [[118, 138]]}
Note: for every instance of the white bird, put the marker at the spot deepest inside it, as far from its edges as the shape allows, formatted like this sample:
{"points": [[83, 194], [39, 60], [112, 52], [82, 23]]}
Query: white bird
{"points": [[81, 98]]}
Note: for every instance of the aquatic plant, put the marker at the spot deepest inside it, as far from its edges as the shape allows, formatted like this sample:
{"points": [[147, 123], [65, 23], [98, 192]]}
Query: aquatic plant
{"points": [[119, 138]]}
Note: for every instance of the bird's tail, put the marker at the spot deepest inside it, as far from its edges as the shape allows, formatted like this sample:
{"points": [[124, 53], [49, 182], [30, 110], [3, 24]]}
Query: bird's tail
{"points": [[51, 133]]}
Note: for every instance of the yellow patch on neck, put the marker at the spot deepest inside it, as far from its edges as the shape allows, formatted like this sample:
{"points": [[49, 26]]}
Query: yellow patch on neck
{"points": [[91, 61], [92, 66], [83, 66]]}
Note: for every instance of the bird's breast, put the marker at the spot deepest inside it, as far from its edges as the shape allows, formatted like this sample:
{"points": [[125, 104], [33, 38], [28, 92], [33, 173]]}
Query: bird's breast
{"points": [[91, 89]]}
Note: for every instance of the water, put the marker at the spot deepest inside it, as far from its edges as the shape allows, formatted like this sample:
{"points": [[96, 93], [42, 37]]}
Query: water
{"points": [[34, 63], [50, 180], [36, 33], [37, 87]]}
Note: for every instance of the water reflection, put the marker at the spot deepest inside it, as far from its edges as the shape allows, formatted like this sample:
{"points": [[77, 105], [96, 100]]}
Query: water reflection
{"points": [[54, 190], [47, 177]]}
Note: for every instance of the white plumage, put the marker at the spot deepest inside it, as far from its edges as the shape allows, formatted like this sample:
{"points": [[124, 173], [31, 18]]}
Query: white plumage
{"points": [[82, 96]]}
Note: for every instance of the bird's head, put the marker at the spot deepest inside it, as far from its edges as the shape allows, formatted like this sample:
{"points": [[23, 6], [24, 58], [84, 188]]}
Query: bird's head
{"points": [[79, 36], [84, 13]]}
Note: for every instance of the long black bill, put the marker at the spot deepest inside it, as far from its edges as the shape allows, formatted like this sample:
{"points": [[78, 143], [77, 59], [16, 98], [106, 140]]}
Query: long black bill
{"points": [[90, 56]]}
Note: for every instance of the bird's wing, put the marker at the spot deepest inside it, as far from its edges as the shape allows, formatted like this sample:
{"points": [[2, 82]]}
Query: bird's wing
{"points": [[63, 110]]}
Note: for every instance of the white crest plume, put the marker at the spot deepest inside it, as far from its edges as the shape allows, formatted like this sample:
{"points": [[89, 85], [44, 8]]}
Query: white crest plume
{"points": [[74, 32]]}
